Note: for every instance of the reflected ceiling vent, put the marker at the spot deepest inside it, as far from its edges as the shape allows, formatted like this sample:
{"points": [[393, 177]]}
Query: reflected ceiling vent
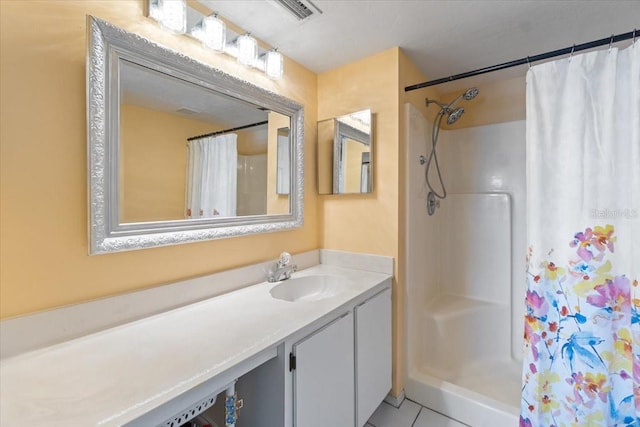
{"points": [[300, 9], [186, 111]]}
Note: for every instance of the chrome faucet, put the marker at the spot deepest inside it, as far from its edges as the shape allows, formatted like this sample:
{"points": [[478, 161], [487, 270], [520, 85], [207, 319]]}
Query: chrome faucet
{"points": [[281, 269]]}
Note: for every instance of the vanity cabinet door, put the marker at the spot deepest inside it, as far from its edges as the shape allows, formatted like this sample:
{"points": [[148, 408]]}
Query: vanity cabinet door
{"points": [[324, 374], [373, 354]]}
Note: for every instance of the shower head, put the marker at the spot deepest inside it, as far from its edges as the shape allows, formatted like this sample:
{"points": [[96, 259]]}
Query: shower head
{"points": [[454, 115], [470, 93]]}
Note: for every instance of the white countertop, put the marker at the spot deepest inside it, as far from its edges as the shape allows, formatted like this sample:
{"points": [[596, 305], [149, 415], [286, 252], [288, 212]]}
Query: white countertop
{"points": [[114, 376]]}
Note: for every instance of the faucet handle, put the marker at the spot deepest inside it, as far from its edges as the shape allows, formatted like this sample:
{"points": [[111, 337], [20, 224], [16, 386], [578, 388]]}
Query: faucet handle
{"points": [[285, 259]]}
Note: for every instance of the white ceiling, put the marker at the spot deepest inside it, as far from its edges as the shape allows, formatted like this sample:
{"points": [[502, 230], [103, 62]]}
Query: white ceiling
{"points": [[441, 37]]}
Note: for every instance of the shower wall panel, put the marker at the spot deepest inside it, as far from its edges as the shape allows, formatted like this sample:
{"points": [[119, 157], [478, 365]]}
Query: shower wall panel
{"points": [[476, 247], [491, 159]]}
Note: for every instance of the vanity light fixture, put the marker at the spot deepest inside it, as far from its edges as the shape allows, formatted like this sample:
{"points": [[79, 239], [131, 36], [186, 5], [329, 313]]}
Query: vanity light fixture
{"points": [[213, 33], [273, 64], [247, 49], [171, 14]]}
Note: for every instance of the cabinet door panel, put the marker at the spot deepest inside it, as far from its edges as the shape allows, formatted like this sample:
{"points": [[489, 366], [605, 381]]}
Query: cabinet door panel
{"points": [[324, 377], [373, 354]]}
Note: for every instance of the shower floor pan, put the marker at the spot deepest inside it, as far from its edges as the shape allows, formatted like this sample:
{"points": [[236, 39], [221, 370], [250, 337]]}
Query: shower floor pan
{"points": [[486, 399], [465, 369]]}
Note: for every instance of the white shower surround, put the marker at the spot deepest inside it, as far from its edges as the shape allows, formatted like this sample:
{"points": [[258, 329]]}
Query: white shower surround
{"points": [[464, 342]]}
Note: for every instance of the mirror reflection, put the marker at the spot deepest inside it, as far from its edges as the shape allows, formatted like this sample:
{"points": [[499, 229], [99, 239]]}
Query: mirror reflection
{"points": [[345, 154], [187, 152]]}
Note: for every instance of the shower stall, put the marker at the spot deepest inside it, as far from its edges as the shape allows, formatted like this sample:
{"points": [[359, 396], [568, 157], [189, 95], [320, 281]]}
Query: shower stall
{"points": [[465, 269]]}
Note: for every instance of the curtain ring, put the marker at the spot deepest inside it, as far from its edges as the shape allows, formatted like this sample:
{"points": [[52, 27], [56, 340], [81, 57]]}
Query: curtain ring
{"points": [[528, 63], [611, 43], [573, 48], [634, 36]]}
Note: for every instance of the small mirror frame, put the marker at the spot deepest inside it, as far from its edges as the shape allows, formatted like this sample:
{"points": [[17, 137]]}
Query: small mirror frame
{"points": [[108, 44], [328, 158]]}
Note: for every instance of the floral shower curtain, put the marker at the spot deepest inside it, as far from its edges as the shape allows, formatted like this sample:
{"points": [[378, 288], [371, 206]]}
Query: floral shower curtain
{"points": [[212, 176], [582, 326]]}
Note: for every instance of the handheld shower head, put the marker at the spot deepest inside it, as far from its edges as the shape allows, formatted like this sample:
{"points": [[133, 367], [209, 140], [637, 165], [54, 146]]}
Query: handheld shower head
{"points": [[454, 115], [470, 93]]}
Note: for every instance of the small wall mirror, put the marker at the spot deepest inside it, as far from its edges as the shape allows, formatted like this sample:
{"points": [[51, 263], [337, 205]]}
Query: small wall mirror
{"points": [[180, 152], [345, 157]]}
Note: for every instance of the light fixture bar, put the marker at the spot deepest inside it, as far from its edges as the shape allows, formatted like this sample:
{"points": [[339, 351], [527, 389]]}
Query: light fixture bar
{"points": [[213, 33]]}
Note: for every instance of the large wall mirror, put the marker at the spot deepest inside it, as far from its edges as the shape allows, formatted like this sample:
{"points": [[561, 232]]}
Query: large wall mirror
{"points": [[345, 157], [180, 152]]}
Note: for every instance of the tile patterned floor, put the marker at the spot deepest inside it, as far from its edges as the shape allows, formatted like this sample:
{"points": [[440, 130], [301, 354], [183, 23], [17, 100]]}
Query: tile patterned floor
{"points": [[409, 414]]}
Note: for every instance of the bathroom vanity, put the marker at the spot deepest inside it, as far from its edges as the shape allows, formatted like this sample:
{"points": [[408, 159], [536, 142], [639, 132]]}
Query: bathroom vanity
{"points": [[314, 350]]}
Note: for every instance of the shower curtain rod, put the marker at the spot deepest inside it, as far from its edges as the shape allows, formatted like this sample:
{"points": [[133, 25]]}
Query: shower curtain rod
{"points": [[527, 60], [220, 132]]}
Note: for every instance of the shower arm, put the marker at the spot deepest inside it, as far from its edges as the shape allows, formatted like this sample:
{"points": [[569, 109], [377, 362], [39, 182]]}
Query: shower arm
{"points": [[443, 106], [440, 104]]}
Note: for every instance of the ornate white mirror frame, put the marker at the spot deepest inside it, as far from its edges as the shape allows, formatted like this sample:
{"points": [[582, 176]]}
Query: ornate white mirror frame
{"points": [[107, 46]]}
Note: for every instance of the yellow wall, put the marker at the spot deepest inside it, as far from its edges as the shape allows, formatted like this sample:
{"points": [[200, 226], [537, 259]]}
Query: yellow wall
{"points": [[365, 223], [43, 197]]}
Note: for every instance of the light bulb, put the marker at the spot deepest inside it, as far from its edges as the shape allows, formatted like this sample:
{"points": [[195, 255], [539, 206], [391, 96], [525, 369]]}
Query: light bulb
{"points": [[273, 64], [214, 32], [247, 49], [171, 14]]}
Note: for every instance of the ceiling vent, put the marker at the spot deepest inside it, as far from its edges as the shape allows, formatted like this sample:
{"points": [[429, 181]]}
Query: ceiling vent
{"points": [[301, 10]]}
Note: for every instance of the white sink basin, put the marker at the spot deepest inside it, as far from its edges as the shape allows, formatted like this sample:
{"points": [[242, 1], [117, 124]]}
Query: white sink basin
{"points": [[309, 288]]}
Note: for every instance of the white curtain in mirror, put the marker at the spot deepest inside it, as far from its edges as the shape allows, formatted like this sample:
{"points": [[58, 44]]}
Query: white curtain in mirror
{"points": [[212, 176]]}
